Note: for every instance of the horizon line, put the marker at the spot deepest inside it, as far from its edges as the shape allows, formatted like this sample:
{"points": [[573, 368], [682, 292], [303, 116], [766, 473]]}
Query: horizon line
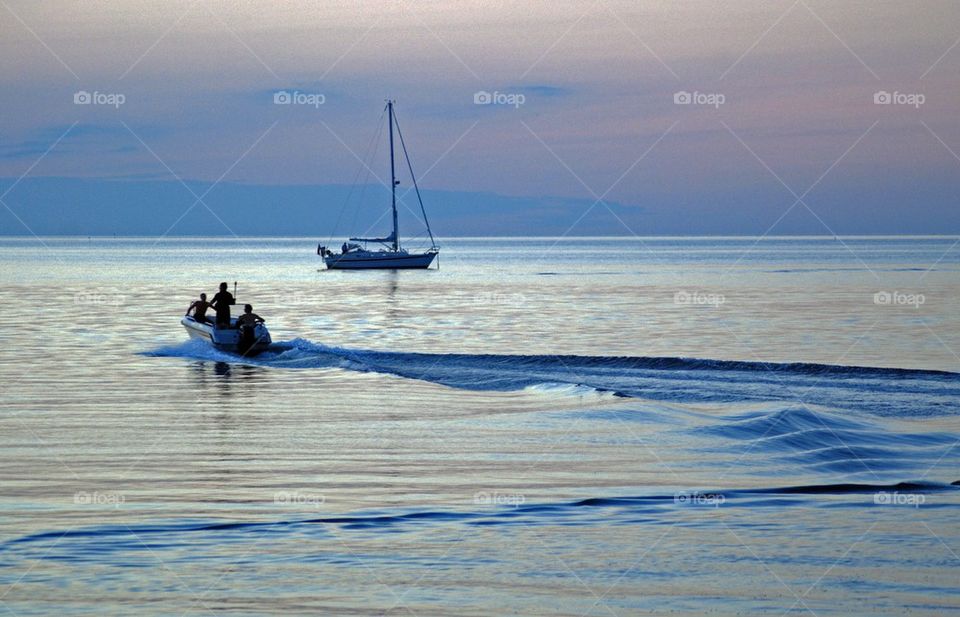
{"points": [[508, 237]]}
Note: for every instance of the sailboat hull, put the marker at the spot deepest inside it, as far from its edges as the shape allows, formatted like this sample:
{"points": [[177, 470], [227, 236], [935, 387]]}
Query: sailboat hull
{"points": [[380, 260]]}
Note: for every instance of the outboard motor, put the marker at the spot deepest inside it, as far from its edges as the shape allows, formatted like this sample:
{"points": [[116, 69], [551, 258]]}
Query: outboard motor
{"points": [[248, 338]]}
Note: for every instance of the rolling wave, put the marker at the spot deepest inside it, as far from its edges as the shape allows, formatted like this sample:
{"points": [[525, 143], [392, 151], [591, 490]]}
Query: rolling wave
{"points": [[594, 510], [823, 441]]}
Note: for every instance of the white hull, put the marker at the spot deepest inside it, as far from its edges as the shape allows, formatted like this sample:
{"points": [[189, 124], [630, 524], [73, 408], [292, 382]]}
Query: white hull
{"points": [[226, 339], [379, 260]]}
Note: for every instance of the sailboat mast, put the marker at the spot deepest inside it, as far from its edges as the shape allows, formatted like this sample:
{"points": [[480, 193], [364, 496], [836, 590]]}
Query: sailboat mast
{"points": [[393, 181]]}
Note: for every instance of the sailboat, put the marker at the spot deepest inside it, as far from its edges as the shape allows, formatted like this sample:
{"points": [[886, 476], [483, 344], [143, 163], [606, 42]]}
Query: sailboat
{"points": [[355, 254]]}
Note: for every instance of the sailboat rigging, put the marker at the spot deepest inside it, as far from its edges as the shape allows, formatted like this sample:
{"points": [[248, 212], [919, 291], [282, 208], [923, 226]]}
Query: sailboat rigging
{"points": [[355, 256]]}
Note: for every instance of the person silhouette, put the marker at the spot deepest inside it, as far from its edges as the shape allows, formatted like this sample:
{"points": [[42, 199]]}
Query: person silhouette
{"points": [[247, 323], [199, 308], [249, 318], [222, 302]]}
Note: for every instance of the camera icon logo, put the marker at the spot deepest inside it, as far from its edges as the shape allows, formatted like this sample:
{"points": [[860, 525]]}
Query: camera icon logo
{"points": [[883, 297], [682, 98], [482, 97], [882, 97], [282, 97], [82, 97]]}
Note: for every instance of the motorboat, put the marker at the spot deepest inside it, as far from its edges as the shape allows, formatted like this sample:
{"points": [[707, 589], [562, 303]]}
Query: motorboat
{"points": [[243, 341]]}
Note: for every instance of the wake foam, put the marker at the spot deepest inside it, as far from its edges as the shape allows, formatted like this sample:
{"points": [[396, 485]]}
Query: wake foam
{"points": [[576, 390]]}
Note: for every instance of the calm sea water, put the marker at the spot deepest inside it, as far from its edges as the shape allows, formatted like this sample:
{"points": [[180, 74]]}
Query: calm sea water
{"points": [[541, 426]]}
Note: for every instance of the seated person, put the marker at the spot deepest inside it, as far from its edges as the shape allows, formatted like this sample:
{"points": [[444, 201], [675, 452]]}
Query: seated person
{"points": [[249, 318], [199, 308]]}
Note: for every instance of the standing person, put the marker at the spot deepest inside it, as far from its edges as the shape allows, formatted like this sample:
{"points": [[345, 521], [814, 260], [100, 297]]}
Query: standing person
{"points": [[199, 308], [222, 302]]}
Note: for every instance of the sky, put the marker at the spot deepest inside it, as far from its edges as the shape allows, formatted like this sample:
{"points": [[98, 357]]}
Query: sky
{"points": [[661, 117]]}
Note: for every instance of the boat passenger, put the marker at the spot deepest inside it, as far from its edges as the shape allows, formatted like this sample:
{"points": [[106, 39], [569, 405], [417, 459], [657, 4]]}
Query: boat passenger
{"points": [[199, 308], [249, 318], [344, 249], [222, 302]]}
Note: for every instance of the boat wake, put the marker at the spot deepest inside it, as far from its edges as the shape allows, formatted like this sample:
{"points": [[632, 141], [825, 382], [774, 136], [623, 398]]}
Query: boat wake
{"points": [[878, 391], [797, 438]]}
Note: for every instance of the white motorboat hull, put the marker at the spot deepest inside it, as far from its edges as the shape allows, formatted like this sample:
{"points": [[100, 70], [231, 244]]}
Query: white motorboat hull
{"points": [[379, 260], [227, 339]]}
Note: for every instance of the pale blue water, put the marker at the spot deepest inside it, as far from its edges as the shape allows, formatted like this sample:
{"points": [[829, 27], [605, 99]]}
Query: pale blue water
{"points": [[542, 426]]}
